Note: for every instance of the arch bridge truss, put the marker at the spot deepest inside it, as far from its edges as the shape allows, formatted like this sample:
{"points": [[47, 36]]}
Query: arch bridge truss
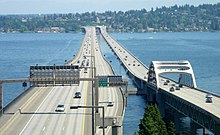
{"points": [[183, 68]]}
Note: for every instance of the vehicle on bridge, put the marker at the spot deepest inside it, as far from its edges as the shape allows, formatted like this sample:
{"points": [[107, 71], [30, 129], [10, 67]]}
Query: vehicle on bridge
{"points": [[172, 89], [110, 104], [77, 95], [208, 98], [60, 108]]}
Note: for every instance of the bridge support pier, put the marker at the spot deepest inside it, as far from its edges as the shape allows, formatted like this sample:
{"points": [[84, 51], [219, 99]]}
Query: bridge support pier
{"points": [[149, 95], [177, 122], [142, 85], [205, 131], [194, 126], [217, 129], [160, 98]]}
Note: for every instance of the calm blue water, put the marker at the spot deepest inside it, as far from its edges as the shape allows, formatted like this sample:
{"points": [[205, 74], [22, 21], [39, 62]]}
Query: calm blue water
{"points": [[202, 49], [19, 51]]}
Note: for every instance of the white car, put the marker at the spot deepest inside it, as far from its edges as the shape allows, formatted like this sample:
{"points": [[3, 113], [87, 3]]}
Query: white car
{"points": [[60, 108]]}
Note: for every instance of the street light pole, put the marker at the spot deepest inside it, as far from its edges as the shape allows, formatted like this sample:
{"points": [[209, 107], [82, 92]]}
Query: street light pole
{"points": [[103, 114]]}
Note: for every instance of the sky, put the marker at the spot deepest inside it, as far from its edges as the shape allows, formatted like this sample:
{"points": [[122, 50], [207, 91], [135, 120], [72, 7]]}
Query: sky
{"points": [[80, 6]]}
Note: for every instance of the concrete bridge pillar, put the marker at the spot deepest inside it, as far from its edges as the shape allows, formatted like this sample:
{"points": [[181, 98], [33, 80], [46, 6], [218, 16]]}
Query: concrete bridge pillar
{"points": [[217, 129], [161, 103], [149, 95], [194, 126], [177, 122], [205, 131]]}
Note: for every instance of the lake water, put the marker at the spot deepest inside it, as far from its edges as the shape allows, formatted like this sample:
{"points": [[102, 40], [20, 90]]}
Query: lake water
{"points": [[202, 49], [19, 51]]}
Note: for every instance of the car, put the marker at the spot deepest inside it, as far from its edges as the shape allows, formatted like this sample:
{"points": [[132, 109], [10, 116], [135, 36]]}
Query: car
{"points": [[168, 81], [180, 85], [177, 87], [165, 83], [145, 77], [60, 108], [208, 98], [172, 89], [110, 104], [77, 95]]}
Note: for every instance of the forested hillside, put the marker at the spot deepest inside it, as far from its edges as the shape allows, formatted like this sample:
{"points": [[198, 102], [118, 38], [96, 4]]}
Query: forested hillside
{"points": [[176, 18]]}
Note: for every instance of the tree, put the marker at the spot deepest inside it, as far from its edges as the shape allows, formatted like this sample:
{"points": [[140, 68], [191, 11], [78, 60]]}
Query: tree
{"points": [[152, 123], [136, 133], [171, 128]]}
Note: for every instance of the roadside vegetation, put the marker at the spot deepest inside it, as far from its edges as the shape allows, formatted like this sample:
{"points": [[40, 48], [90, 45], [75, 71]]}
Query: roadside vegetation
{"points": [[153, 124]]}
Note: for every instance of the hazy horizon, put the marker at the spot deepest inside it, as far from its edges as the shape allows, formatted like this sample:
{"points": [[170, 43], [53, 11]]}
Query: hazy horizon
{"points": [[10, 7]]}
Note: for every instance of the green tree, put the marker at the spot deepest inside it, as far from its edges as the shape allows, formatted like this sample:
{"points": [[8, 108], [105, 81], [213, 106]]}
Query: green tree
{"points": [[160, 123], [152, 123], [136, 133], [171, 129]]}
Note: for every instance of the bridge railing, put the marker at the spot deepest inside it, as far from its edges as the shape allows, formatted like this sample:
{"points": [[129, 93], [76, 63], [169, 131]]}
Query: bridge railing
{"points": [[79, 52], [199, 89], [128, 51]]}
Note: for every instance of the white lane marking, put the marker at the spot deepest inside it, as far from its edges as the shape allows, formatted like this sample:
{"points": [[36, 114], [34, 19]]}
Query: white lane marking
{"points": [[35, 112], [63, 128], [44, 128]]}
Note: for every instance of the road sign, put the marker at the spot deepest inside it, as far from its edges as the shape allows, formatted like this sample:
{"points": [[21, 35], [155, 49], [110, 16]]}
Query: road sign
{"points": [[104, 84], [109, 80], [103, 81], [61, 72], [113, 79]]}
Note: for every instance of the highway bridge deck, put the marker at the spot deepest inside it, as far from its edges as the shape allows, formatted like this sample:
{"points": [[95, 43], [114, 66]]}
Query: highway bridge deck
{"points": [[38, 115], [193, 97]]}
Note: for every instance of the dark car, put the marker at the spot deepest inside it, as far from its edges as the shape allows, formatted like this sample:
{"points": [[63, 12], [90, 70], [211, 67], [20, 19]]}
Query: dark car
{"points": [[110, 104], [180, 85], [208, 98], [165, 83], [78, 95], [172, 89]]}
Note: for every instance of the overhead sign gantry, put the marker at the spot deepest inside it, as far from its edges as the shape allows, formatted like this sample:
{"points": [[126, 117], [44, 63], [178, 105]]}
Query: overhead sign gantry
{"points": [[55, 72]]}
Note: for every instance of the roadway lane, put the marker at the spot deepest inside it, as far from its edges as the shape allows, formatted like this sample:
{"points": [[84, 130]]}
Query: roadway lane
{"points": [[38, 112], [106, 94], [194, 96]]}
